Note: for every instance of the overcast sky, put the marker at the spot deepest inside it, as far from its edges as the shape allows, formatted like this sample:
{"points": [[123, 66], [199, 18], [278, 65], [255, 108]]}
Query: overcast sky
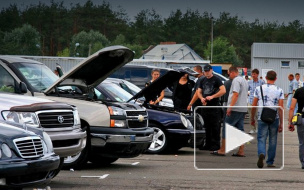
{"points": [[247, 10]]}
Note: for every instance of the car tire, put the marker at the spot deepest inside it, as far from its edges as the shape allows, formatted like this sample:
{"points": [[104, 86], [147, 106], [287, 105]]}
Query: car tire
{"points": [[159, 142], [79, 160], [101, 160]]}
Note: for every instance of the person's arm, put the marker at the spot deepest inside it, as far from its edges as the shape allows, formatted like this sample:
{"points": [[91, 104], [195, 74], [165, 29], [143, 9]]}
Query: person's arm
{"points": [[220, 93], [253, 110], [281, 115], [291, 111], [194, 98], [200, 96], [162, 95], [234, 98]]}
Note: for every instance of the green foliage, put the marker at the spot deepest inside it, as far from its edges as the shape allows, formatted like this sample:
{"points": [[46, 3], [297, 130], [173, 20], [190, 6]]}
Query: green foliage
{"points": [[223, 52], [22, 41], [6, 89], [64, 53], [86, 43]]}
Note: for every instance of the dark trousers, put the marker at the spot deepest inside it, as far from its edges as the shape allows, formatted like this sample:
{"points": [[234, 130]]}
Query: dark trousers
{"points": [[212, 118]]}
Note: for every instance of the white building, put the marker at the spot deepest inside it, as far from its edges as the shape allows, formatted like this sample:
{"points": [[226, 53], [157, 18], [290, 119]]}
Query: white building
{"points": [[283, 58]]}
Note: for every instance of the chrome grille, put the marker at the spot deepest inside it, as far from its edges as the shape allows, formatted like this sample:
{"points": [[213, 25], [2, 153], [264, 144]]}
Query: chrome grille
{"points": [[56, 119], [133, 119], [29, 147]]}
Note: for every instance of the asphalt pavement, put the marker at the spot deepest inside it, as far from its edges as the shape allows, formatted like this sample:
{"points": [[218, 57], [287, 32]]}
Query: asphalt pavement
{"points": [[177, 171]]}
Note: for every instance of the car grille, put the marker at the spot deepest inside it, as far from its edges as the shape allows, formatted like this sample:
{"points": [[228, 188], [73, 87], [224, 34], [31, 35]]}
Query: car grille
{"points": [[136, 113], [56, 119], [133, 119], [29, 147]]}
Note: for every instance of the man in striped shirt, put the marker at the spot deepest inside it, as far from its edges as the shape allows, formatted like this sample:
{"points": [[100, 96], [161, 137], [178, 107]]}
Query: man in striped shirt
{"points": [[252, 84]]}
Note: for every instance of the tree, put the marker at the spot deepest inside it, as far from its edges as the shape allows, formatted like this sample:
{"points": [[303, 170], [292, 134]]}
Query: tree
{"points": [[223, 52], [22, 41], [86, 43]]}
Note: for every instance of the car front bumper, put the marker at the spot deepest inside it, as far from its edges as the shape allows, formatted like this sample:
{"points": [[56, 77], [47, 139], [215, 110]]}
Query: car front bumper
{"points": [[18, 173], [186, 137], [68, 143], [120, 143]]}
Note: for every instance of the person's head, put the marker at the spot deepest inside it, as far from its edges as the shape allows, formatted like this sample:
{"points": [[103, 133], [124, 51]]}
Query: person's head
{"points": [[255, 74], [185, 76], [246, 77], [297, 76], [155, 74], [290, 77], [233, 72], [198, 69], [271, 76], [208, 71]]}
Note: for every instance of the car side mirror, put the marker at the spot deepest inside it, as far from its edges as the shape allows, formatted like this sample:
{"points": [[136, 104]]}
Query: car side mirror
{"points": [[23, 87]]}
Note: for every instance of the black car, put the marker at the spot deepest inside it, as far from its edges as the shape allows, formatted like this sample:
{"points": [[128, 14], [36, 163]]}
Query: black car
{"points": [[172, 129], [26, 157]]}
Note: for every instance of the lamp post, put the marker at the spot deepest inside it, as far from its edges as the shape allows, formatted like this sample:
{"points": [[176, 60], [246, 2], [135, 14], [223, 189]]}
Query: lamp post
{"points": [[211, 39]]}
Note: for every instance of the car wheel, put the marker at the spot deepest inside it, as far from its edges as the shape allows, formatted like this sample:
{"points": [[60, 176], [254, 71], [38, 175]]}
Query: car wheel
{"points": [[159, 141], [79, 160], [102, 161]]}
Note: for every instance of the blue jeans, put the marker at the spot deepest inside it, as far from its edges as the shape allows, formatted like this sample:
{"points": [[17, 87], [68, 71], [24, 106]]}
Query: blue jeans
{"points": [[268, 130], [300, 131], [236, 119]]}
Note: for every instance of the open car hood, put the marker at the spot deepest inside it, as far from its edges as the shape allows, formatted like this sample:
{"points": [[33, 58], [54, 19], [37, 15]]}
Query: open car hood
{"points": [[158, 85], [97, 67]]}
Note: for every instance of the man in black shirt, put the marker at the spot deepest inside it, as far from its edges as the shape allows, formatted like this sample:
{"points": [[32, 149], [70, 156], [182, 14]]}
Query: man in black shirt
{"points": [[298, 98], [210, 90]]}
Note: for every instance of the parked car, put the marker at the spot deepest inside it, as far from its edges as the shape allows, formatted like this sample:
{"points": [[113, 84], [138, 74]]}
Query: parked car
{"points": [[172, 130], [26, 157], [133, 90], [113, 130], [61, 121]]}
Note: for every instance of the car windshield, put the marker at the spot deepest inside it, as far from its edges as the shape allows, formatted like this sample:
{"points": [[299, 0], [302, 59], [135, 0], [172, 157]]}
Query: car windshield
{"points": [[38, 75], [116, 92], [135, 89]]}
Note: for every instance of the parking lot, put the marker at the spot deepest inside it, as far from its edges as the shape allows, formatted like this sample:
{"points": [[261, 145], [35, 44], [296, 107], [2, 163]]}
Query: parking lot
{"points": [[176, 171]]}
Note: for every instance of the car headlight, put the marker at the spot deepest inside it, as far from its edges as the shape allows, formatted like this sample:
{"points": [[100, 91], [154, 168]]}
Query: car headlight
{"points": [[28, 118], [48, 143], [6, 150], [186, 122], [116, 122], [116, 111], [76, 118]]}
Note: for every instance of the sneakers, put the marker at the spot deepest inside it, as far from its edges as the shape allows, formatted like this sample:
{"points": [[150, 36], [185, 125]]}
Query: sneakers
{"points": [[271, 166], [260, 162], [252, 131]]}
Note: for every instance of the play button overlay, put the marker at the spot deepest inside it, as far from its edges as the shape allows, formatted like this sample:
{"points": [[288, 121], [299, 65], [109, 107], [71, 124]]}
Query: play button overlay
{"points": [[235, 138]]}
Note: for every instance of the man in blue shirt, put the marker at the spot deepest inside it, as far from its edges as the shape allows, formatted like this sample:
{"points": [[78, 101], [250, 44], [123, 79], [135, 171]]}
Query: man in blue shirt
{"points": [[252, 84]]}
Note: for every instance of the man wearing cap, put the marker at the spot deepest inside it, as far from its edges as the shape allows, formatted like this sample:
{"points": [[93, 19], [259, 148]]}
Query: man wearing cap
{"points": [[209, 91]]}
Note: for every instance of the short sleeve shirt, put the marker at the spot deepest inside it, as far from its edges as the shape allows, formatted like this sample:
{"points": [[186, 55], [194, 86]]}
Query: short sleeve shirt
{"points": [[251, 87], [272, 94], [239, 85], [209, 87]]}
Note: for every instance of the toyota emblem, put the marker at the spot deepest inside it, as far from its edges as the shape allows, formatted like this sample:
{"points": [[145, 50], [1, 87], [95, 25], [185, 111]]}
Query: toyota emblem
{"points": [[60, 119]]}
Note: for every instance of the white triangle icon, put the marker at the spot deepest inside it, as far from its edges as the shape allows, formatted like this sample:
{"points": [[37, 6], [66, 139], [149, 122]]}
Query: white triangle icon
{"points": [[235, 138]]}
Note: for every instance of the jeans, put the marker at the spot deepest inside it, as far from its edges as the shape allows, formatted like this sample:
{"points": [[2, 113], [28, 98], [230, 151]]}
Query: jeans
{"points": [[300, 131], [289, 100], [268, 130], [236, 119]]}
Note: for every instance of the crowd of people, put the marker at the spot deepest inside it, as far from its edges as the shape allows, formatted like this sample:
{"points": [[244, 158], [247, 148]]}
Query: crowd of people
{"points": [[236, 94]]}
